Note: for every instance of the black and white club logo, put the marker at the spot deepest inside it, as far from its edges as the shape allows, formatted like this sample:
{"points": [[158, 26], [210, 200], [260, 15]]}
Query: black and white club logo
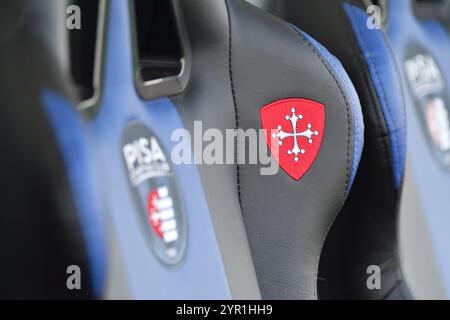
{"points": [[427, 87], [155, 192]]}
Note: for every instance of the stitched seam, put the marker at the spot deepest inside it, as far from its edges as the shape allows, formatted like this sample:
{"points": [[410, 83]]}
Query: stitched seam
{"points": [[380, 83], [356, 140], [230, 70], [385, 148], [381, 86], [403, 105], [385, 159], [402, 155], [394, 241], [315, 51], [372, 96], [338, 69]]}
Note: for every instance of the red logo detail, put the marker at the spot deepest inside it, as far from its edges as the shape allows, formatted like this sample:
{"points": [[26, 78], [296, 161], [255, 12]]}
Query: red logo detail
{"points": [[161, 214], [294, 132], [153, 213]]}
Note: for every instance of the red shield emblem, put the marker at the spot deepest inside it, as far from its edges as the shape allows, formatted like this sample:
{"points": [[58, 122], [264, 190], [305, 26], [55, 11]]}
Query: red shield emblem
{"points": [[294, 131]]}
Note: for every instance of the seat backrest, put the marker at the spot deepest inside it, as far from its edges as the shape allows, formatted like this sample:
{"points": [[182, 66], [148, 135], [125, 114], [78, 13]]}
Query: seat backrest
{"points": [[364, 237], [286, 216]]}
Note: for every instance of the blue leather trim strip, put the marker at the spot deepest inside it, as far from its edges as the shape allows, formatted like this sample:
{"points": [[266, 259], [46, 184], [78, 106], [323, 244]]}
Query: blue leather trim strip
{"points": [[201, 274], [79, 160], [354, 101], [386, 82]]}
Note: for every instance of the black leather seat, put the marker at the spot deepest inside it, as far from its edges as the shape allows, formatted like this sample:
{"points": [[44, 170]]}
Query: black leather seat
{"points": [[365, 232], [254, 59]]}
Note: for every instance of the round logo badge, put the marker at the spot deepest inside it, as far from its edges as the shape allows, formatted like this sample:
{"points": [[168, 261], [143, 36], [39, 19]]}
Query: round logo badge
{"points": [[427, 87], [155, 192]]}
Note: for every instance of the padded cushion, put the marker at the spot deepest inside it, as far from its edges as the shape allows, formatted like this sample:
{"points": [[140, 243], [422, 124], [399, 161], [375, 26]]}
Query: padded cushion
{"points": [[365, 231], [286, 220]]}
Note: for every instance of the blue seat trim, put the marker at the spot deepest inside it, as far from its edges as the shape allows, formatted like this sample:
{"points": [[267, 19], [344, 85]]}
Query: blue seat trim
{"points": [[354, 101], [387, 84]]}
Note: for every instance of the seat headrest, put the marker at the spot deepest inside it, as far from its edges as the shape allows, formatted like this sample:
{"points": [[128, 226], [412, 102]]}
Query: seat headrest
{"points": [[354, 244], [249, 69]]}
